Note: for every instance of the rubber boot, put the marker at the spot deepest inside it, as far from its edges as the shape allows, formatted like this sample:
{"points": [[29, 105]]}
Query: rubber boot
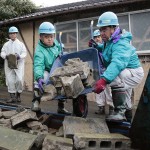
{"points": [[18, 97], [111, 110], [101, 110], [61, 109], [36, 101], [12, 98], [128, 115], [119, 99], [35, 106]]}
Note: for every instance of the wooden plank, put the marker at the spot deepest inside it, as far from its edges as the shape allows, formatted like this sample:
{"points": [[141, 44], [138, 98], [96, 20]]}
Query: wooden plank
{"points": [[15, 140], [138, 90]]}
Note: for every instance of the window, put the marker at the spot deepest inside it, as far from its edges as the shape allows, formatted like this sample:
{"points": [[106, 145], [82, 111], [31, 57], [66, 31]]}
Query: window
{"points": [[69, 36], [140, 28], [124, 22]]}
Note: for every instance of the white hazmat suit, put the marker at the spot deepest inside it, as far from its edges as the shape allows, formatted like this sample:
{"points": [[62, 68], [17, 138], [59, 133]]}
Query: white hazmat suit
{"points": [[14, 77]]}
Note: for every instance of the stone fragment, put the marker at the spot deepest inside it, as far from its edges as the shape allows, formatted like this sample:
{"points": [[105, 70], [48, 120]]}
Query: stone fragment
{"points": [[57, 143], [72, 86], [8, 114], [23, 116]]}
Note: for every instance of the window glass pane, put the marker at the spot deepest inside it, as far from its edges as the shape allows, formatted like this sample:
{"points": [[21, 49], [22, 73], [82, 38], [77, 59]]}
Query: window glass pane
{"points": [[123, 22], [85, 33], [69, 36], [140, 28]]}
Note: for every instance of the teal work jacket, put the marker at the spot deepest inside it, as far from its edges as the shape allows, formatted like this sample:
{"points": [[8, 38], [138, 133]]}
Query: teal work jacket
{"points": [[44, 57], [118, 56]]}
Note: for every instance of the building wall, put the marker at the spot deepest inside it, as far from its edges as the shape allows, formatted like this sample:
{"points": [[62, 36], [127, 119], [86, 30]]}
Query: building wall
{"points": [[26, 30], [30, 38], [76, 34]]}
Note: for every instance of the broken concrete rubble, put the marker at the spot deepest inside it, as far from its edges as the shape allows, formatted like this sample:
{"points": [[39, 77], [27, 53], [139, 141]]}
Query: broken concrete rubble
{"points": [[72, 86], [34, 125], [49, 92], [8, 114], [57, 143], [72, 78], [5, 123], [79, 133], [83, 70], [72, 125], [23, 116]]}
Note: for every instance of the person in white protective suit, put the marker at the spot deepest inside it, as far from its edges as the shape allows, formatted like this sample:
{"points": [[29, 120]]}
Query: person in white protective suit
{"points": [[14, 77], [105, 96], [123, 69]]}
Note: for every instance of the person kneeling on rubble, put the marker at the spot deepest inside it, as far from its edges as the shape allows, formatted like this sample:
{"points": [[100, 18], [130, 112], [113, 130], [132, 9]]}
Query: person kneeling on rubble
{"points": [[123, 69], [47, 50]]}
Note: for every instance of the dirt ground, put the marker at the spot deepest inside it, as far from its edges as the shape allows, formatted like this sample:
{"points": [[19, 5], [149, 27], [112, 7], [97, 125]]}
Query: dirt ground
{"points": [[50, 106]]}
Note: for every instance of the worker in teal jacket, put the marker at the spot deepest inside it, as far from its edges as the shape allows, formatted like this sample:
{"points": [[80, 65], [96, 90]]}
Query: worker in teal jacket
{"points": [[104, 97], [123, 69], [46, 53]]}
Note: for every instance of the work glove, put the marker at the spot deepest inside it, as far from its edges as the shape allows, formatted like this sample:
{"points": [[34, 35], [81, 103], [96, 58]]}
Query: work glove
{"points": [[92, 43], [18, 56], [100, 85], [40, 84]]}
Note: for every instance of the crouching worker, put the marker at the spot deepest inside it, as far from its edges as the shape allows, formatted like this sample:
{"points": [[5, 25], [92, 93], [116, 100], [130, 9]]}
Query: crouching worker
{"points": [[123, 69], [46, 52], [105, 96]]}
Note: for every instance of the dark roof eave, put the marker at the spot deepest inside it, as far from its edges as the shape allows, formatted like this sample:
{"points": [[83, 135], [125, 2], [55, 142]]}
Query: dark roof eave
{"points": [[63, 11]]}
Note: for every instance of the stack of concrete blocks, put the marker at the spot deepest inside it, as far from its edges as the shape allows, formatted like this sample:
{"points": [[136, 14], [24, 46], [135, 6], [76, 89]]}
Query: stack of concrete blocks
{"points": [[71, 79]]}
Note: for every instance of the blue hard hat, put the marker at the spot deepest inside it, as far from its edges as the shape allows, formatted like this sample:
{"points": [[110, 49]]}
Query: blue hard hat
{"points": [[47, 27], [96, 33], [13, 29], [107, 19]]}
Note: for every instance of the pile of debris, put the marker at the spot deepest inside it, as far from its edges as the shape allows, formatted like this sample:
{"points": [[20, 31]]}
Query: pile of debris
{"points": [[22, 129], [69, 80]]}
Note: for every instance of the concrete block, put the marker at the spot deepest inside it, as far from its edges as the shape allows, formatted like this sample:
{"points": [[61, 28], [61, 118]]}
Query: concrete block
{"points": [[109, 141], [72, 125], [73, 62], [49, 88], [49, 93], [60, 132], [57, 143], [89, 81], [79, 65], [72, 86], [8, 114], [44, 118], [23, 116], [5, 123], [12, 61], [15, 140], [34, 125], [82, 69]]}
